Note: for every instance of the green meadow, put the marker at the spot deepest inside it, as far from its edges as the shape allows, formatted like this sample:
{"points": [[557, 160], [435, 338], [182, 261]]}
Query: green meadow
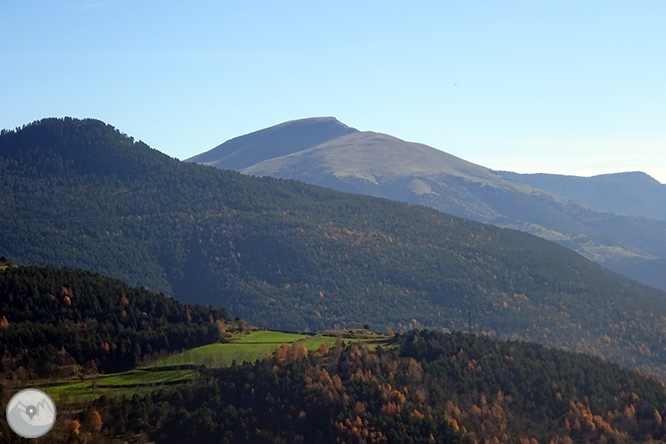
{"points": [[126, 383], [246, 348], [241, 348]]}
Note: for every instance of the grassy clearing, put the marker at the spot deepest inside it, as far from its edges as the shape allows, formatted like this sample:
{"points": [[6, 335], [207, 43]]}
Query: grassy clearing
{"points": [[251, 347], [139, 377], [218, 355], [248, 348], [83, 392], [127, 383], [268, 336]]}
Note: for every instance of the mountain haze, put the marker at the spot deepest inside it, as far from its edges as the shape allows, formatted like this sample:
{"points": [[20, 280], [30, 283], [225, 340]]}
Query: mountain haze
{"points": [[294, 256], [384, 166], [632, 193]]}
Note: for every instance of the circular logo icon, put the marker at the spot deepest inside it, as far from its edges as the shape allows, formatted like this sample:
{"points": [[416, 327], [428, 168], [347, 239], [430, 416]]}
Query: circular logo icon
{"points": [[31, 413]]}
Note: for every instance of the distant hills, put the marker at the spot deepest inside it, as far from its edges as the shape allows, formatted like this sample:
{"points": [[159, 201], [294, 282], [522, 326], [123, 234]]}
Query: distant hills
{"points": [[632, 193], [294, 256], [384, 166]]}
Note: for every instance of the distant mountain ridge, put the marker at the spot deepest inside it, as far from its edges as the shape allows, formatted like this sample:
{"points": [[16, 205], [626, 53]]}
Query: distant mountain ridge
{"points": [[632, 193], [384, 166]]}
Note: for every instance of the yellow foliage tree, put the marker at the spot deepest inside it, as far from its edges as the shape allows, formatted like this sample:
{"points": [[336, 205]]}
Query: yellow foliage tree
{"points": [[323, 349]]}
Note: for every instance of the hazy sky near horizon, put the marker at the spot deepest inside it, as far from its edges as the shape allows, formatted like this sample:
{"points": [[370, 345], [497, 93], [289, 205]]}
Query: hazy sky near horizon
{"points": [[563, 87]]}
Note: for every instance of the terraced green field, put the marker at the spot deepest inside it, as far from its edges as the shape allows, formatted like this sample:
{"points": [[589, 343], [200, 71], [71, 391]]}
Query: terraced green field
{"points": [[250, 347], [268, 336], [256, 345], [126, 383]]}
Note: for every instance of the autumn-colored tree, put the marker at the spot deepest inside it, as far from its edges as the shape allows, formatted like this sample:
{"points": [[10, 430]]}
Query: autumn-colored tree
{"points": [[390, 409], [4, 323], [91, 368], [359, 431], [74, 427], [324, 376], [124, 301], [323, 349], [418, 415], [281, 354], [96, 421], [221, 327], [66, 292], [414, 370], [359, 408], [298, 350]]}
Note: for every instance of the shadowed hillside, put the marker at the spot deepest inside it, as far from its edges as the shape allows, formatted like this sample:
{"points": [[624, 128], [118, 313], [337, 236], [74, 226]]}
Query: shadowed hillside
{"points": [[293, 256], [384, 166]]}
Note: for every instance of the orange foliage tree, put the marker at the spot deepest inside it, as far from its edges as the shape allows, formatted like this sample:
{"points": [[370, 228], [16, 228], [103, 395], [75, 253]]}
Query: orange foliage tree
{"points": [[96, 421]]}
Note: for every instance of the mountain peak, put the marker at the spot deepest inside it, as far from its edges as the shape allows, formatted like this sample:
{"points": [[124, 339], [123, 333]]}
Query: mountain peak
{"points": [[279, 140], [634, 177]]}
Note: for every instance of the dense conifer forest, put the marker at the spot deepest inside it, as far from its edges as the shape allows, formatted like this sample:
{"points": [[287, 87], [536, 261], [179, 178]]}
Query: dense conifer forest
{"points": [[287, 255], [422, 386], [61, 322], [426, 387]]}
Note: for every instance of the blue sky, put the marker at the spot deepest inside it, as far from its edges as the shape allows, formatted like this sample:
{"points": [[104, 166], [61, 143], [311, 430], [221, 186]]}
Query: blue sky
{"points": [[565, 87]]}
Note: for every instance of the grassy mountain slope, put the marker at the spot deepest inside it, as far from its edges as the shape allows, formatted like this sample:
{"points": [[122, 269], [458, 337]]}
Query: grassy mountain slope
{"points": [[632, 193], [384, 166], [277, 141], [293, 256]]}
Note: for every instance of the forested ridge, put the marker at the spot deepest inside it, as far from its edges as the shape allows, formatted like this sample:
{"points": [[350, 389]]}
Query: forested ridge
{"points": [[287, 255], [63, 322], [427, 387]]}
